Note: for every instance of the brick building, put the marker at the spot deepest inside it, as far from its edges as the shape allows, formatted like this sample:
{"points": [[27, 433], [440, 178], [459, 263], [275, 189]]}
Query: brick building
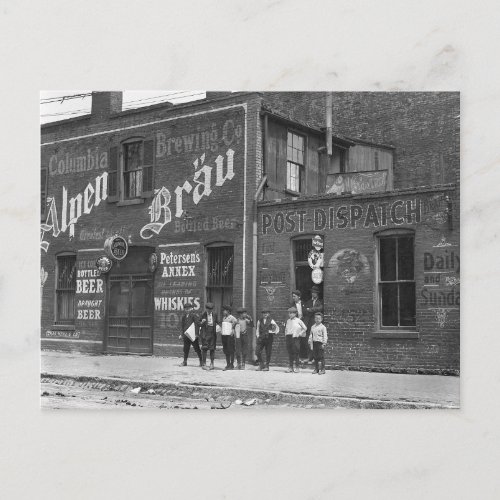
{"points": [[219, 199]]}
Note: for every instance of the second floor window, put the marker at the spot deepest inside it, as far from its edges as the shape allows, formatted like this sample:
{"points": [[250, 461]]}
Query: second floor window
{"points": [[295, 167], [131, 170]]}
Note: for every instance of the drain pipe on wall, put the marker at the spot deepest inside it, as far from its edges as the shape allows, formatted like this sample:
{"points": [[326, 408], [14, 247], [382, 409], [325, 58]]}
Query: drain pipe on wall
{"points": [[254, 258]]}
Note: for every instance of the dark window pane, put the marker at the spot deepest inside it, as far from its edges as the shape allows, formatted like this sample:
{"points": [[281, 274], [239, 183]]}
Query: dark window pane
{"points": [[407, 304], [141, 299], [133, 153], [405, 258], [387, 259], [302, 249], [389, 292]]}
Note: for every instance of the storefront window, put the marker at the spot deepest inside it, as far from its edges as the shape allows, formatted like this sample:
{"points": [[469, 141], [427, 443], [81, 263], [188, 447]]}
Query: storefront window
{"points": [[65, 289], [220, 261], [397, 280]]}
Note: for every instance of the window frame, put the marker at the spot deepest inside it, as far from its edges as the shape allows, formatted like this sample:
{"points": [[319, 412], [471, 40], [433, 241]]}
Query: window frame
{"points": [[224, 288], [117, 171], [301, 166], [393, 331], [64, 322]]}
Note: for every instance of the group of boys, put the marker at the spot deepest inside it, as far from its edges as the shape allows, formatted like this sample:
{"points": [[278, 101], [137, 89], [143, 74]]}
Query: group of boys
{"points": [[308, 338]]}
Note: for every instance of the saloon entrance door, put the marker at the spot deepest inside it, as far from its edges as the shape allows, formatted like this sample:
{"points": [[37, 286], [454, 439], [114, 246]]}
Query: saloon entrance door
{"points": [[130, 315]]}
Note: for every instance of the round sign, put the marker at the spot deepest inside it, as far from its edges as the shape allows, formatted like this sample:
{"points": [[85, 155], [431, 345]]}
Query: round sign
{"points": [[315, 259], [317, 242], [116, 247], [317, 276], [103, 264], [152, 262]]}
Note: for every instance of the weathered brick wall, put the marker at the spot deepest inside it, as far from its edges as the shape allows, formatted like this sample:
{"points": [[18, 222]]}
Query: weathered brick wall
{"points": [[424, 127], [350, 300], [218, 217]]}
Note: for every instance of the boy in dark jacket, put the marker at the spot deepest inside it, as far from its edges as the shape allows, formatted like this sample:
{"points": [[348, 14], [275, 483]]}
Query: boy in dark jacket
{"points": [[208, 335], [242, 331], [265, 331]]}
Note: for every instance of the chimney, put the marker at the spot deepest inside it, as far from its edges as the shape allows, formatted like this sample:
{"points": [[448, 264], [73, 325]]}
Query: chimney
{"points": [[215, 95], [105, 104]]}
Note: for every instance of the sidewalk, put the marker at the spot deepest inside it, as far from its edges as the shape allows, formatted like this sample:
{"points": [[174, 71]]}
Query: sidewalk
{"points": [[396, 389]]}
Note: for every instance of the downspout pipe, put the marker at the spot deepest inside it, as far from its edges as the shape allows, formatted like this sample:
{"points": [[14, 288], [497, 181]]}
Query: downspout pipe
{"points": [[254, 256]]}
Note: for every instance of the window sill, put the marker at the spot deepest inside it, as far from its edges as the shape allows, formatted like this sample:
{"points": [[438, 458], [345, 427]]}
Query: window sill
{"points": [[135, 201], [293, 193], [395, 334]]}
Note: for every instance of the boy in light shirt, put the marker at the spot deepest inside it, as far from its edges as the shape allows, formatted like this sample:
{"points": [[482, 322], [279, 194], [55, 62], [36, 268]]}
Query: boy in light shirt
{"points": [[294, 330], [317, 342], [227, 335]]}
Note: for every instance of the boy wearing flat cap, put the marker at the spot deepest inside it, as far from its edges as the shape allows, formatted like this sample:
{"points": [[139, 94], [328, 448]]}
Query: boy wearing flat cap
{"points": [[228, 333], [241, 337], [188, 318], [297, 303], [317, 342], [208, 335], [295, 328], [265, 331]]}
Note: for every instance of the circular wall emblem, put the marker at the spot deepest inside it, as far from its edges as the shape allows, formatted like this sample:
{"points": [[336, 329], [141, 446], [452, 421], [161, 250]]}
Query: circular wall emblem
{"points": [[315, 259], [317, 276], [317, 242], [152, 262], [116, 247], [103, 264]]}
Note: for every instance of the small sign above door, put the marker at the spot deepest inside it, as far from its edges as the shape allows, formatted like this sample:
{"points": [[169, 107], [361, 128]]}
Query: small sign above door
{"points": [[116, 247]]}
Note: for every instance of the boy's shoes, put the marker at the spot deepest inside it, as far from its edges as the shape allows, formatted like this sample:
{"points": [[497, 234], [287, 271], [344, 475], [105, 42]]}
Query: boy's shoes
{"points": [[322, 371], [259, 369], [184, 363], [266, 369], [205, 367], [315, 371], [227, 367], [211, 367], [297, 370], [289, 370]]}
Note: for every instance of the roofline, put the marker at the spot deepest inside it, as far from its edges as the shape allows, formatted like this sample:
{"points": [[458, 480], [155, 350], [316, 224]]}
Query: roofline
{"points": [[153, 107]]}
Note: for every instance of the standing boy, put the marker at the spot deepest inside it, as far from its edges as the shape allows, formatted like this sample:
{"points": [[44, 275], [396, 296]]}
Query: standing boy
{"points": [[297, 303], [311, 307], [208, 335], [265, 331], [295, 328], [228, 324], [189, 318], [317, 342], [242, 328]]}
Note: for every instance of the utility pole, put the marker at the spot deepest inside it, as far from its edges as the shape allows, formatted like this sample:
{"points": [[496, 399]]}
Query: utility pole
{"points": [[329, 122]]}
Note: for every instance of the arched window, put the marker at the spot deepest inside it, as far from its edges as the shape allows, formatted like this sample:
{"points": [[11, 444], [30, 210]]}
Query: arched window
{"points": [[396, 279]]}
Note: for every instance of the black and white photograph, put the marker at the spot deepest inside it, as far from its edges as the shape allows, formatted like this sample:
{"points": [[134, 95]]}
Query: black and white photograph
{"points": [[214, 249], [250, 250]]}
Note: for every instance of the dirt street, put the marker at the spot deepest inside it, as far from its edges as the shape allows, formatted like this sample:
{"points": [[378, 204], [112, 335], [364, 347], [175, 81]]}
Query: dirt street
{"points": [[56, 396]]}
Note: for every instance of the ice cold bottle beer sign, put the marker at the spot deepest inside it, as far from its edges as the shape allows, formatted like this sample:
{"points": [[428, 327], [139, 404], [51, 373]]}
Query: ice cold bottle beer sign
{"points": [[116, 247]]}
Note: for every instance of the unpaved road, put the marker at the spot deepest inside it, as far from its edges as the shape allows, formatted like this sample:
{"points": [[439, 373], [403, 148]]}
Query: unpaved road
{"points": [[56, 396]]}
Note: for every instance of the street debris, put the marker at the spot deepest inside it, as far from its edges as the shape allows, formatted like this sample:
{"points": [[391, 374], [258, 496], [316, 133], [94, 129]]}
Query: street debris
{"points": [[238, 402], [60, 394], [250, 402], [151, 391], [137, 390], [221, 405], [45, 393]]}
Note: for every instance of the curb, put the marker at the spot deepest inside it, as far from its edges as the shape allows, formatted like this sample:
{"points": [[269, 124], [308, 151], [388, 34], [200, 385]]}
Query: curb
{"points": [[224, 392]]}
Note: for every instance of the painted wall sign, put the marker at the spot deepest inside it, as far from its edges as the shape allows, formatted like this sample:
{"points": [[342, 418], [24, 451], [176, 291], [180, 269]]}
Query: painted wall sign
{"points": [[315, 259], [65, 334], [82, 203], [199, 187], [152, 262], [71, 163], [98, 233], [317, 276], [317, 242], [116, 247], [357, 182], [180, 279], [343, 217], [103, 264]]}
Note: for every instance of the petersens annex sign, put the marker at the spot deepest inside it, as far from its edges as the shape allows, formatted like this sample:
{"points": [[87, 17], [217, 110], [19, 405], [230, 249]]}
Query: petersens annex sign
{"points": [[343, 217]]}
